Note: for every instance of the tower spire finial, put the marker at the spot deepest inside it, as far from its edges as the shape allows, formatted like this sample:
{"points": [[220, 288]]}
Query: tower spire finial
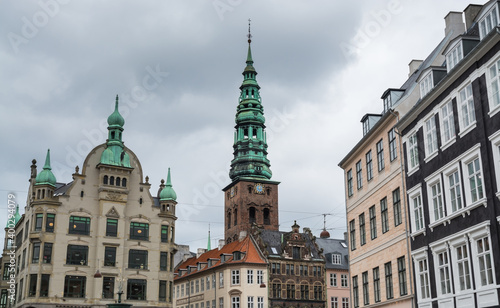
{"points": [[249, 34]]}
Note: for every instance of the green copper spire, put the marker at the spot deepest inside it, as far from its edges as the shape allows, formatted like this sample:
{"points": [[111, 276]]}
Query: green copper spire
{"points": [[209, 246], [114, 153], [168, 193], [250, 146], [46, 176]]}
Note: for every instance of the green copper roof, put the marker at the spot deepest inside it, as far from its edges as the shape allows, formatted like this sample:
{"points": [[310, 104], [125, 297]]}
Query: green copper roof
{"points": [[250, 145], [168, 193], [46, 176], [114, 154]]}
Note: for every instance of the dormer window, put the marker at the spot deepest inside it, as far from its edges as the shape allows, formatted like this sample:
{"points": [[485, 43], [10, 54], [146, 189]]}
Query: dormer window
{"points": [[488, 22], [236, 255], [387, 103], [454, 56], [336, 259], [426, 85], [369, 120], [391, 98]]}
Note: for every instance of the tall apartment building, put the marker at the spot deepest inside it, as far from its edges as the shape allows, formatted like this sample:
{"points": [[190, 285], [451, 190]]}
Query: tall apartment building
{"points": [[379, 249], [452, 162], [88, 242]]}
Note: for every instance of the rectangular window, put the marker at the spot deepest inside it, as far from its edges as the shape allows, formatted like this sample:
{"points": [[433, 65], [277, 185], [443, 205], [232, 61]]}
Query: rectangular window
{"points": [[466, 102], [136, 289], [355, 292], [138, 259], [49, 223], [423, 277], [369, 166], [290, 291], [79, 225], [304, 291], [260, 302], [235, 277], [108, 287], [139, 231], [345, 302], [38, 222], [444, 272], [366, 295], [202, 285], [464, 278], [249, 276], [396, 203], [207, 281], [431, 144], [389, 292], [163, 260], [164, 234], [393, 148], [32, 286], [402, 276], [359, 174], [109, 256], [77, 255], [334, 302], [412, 152], [484, 260], [44, 285], [384, 214], [376, 284], [454, 57], [250, 302], [447, 122], [455, 191], [260, 277], [349, 183], [221, 279], [333, 280], [112, 227], [277, 290], [437, 200], [475, 180], [418, 212], [235, 302], [426, 85], [162, 292], [5, 275], [373, 223], [36, 253], [380, 155], [221, 302], [343, 280], [336, 259], [494, 85], [47, 253], [488, 23], [318, 293], [362, 232], [74, 286], [352, 234]]}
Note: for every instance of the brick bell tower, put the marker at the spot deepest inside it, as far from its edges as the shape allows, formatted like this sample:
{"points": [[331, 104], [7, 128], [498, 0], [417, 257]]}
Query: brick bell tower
{"points": [[251, 198]]}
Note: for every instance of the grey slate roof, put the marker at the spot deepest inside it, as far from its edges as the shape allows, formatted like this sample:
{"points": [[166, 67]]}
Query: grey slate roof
{"points": [[334, 246], [273, 240]]}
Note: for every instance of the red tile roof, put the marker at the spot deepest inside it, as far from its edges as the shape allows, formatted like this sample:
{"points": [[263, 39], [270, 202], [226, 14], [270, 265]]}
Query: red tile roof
{"points": [[250, 254]]}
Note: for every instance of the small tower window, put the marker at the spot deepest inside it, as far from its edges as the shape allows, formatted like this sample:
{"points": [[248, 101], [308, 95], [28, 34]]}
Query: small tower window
{"points": [[251, 215], [268, 191], [38, 194], [253, 93], [254, 133], [245, 133], [140, 199], [105, 180], [112, 135], [81, 194], [267, 220], [124, 182], [246, 92], [228, 220], [235, 217], [43, 193], [118, 181], [249, 189], [112, 180]]}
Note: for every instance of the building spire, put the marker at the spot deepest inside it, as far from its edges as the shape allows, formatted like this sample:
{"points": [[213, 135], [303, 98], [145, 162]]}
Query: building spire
{"points": [[250, 145], [46, 176], [209, 246], [168, 193], [114, 154]]}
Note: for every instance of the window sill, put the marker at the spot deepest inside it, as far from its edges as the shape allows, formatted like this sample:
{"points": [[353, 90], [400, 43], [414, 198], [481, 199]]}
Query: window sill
{"points": [[429, 157], [412, 171], [416, 233], [494, 110], [465, 210], [448, 143], [466, 130]]}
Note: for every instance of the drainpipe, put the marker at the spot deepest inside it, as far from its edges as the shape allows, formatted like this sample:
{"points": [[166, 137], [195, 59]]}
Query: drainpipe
{"points": [[405, 208]]}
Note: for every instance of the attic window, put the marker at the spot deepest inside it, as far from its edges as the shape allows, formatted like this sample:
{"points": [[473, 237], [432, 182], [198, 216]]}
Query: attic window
{"points": [[489, 22], [236, 255], [387, 103], [343, 244], [336, 259], [273, 249], [454, 56], [426, 85]]}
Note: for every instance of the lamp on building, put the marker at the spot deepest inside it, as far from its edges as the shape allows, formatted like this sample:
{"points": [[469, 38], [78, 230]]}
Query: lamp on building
{"points": [[262, 285]]}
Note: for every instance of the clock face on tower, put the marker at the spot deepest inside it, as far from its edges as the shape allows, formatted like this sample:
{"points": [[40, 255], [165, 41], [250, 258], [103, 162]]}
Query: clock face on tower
{"points": [[232, 192], [259, 188]]}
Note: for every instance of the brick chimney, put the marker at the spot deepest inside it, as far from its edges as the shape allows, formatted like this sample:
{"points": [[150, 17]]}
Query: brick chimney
{"points": [[454, 23]]}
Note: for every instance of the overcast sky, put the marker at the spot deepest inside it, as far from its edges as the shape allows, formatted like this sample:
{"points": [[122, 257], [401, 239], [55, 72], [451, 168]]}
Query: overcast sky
{"points": [[177, 67]]}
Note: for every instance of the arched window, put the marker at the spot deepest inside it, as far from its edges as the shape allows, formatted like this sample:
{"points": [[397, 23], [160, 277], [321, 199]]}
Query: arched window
{"points": [[105, 180], [267, 219], [38, 194], [112, 180], [228, 220], [124, 182], [251, 215], [118, 181], [235, 217]]}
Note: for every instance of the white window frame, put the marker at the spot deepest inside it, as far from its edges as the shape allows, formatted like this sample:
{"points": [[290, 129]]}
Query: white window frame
{"points": [[493, 86], [495, 146], [454, 56], [250, 301], [488, 22], [235, 277], [336, 258], [333, 280], [435, 181], [235, 301], [430, 138], [412, 152], [260, 276], [465, 101], [464, 263], [419, 256], [426, 84], [437, 249], [446, 119], [467, 188], [344, 281], [334, 301], [250, 276], [260, 302], [453, 169], [415, 193]]}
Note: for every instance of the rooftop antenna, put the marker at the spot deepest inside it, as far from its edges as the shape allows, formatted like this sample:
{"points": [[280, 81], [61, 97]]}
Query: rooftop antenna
{"points": [[324, 220], [209, 247], [249, 34]]}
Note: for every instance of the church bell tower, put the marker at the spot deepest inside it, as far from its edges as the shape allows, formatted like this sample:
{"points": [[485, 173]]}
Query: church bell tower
{"points": [[251, 198]]}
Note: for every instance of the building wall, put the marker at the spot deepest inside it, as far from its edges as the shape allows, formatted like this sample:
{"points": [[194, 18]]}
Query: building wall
{"points": [[335, 290]]}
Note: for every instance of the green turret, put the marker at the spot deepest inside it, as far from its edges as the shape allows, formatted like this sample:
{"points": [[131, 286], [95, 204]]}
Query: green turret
{"points": [[250, 146], [168, 193], [46, 176], [114, 154]]}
